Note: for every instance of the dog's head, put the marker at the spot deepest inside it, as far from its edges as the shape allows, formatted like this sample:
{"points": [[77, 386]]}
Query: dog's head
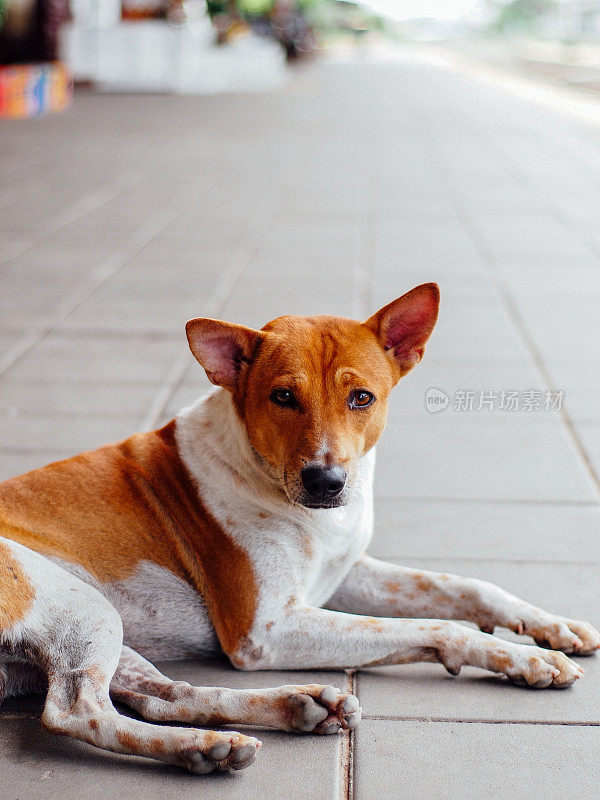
{"points": [[312, 391]]}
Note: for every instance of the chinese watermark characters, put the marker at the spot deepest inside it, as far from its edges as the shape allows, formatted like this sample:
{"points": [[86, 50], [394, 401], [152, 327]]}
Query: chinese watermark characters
{"points": [[487, 400]]}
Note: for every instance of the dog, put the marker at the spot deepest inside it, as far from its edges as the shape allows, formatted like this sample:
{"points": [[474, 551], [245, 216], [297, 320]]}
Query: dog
{"points": [[241, 527]]}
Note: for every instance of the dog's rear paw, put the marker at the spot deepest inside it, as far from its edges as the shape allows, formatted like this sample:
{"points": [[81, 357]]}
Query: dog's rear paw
{"points": [[323, 710], [225, 751]]}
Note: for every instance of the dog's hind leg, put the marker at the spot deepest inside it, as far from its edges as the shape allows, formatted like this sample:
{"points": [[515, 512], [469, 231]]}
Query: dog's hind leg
{"points": [[308, 708], [65, 627]]}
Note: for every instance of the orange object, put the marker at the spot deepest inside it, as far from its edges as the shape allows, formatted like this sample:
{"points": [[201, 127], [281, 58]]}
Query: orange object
{"points": [[29, 90]]}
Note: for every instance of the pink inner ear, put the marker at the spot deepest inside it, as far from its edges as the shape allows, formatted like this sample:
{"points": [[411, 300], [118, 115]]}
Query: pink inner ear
{"points": [[409, 326], [222, 358]]}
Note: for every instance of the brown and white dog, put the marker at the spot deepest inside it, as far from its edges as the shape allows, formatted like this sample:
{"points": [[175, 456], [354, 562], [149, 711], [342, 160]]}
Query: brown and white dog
{"points": [[241, 528]]}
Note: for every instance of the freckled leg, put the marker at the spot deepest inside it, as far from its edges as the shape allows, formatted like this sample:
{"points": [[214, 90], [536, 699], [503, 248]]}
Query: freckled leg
{"points": [[74, 635], [78, 705], [318, 638], [387, 590], [309, 708]]}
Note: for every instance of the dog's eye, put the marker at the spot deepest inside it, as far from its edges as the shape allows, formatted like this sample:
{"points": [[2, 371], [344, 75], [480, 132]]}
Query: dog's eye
{"points": [[283, 397], [360, 398]]}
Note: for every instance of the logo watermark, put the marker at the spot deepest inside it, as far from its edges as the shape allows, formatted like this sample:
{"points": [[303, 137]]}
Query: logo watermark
{"points": [[488, 400], [436, 400]]}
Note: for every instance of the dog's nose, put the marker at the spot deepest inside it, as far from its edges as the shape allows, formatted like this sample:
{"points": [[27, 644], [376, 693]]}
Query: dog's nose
{"points": [[323, 483]]}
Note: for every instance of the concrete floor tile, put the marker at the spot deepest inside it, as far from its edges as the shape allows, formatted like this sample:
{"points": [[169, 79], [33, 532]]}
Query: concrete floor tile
{"points": [[32, 431], [438, 530], [589, 434], [17, 462], [132, 315], [55, 398], [395, 277], [185, 395], [543, 278], [265, 305], [8, 338], [471, 330], [53, 254], [79, 356], [12, 246], [581, 381], [37, 765], [499, 459], [562, 330], [474, 374], [218, 672], [448, 761]]}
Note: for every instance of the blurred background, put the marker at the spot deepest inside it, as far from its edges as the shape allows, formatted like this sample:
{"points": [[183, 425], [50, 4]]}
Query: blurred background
{"points": [[236, 45]]}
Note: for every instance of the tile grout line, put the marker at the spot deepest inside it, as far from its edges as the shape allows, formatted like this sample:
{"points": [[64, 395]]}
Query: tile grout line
{"points": [[511, 306], [362, 293], [362, 273], [105, 270], [506, 295], [90, 201], [484, 721], [507, 299], [521, 116], [487, 501], [537, 562], [346, 763], [216, 303]]}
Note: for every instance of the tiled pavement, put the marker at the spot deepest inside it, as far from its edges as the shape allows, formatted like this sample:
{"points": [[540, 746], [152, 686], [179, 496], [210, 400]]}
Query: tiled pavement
{"points": [[127, 215]]}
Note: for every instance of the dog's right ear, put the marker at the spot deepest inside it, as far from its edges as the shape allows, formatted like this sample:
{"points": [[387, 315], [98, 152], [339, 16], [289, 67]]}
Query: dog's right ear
{"points": [[404, 326], [223, 349]]}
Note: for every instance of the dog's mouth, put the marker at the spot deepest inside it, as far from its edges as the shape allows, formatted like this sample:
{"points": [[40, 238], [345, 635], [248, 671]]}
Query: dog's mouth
{"points": [[335, 502]]}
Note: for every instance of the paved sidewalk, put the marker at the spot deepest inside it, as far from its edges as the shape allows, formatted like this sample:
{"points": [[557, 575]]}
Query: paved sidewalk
{"points": [[127, 215]]}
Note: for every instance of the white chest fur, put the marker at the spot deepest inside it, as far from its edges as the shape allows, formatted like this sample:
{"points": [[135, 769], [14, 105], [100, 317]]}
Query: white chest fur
{"points": [[306, 553]]}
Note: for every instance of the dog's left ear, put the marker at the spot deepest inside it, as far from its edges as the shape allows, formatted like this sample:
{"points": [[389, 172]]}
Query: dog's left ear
{"points": [[223, 349], [404, 326]]}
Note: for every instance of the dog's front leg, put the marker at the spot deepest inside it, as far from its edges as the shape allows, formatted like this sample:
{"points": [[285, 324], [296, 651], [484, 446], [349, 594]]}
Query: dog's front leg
{"points": [[317, 638], [387, 590]]}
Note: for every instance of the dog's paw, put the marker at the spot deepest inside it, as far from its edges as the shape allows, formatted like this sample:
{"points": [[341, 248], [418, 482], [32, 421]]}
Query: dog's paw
{"points": [[223, 752], [526, 665], [567, 635], [322, 709]]}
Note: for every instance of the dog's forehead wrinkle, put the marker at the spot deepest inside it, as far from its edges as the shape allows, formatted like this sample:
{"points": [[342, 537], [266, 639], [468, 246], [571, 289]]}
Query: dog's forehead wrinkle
{"points": [[322, 363]]}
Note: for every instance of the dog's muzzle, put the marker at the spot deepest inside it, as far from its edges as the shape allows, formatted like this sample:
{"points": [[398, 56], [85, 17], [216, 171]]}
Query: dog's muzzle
{"points": [[322, 485]]}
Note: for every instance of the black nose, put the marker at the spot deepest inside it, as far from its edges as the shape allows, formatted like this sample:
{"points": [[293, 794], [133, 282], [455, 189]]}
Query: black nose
{"points": [[323, 483]]}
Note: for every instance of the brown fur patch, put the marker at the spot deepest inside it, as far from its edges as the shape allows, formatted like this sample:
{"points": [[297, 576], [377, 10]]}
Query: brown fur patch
{"points": [[134, 501], [129, 741], [157, 747], [16, 591], [500, 661], [369, 623], [422, 583]]}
